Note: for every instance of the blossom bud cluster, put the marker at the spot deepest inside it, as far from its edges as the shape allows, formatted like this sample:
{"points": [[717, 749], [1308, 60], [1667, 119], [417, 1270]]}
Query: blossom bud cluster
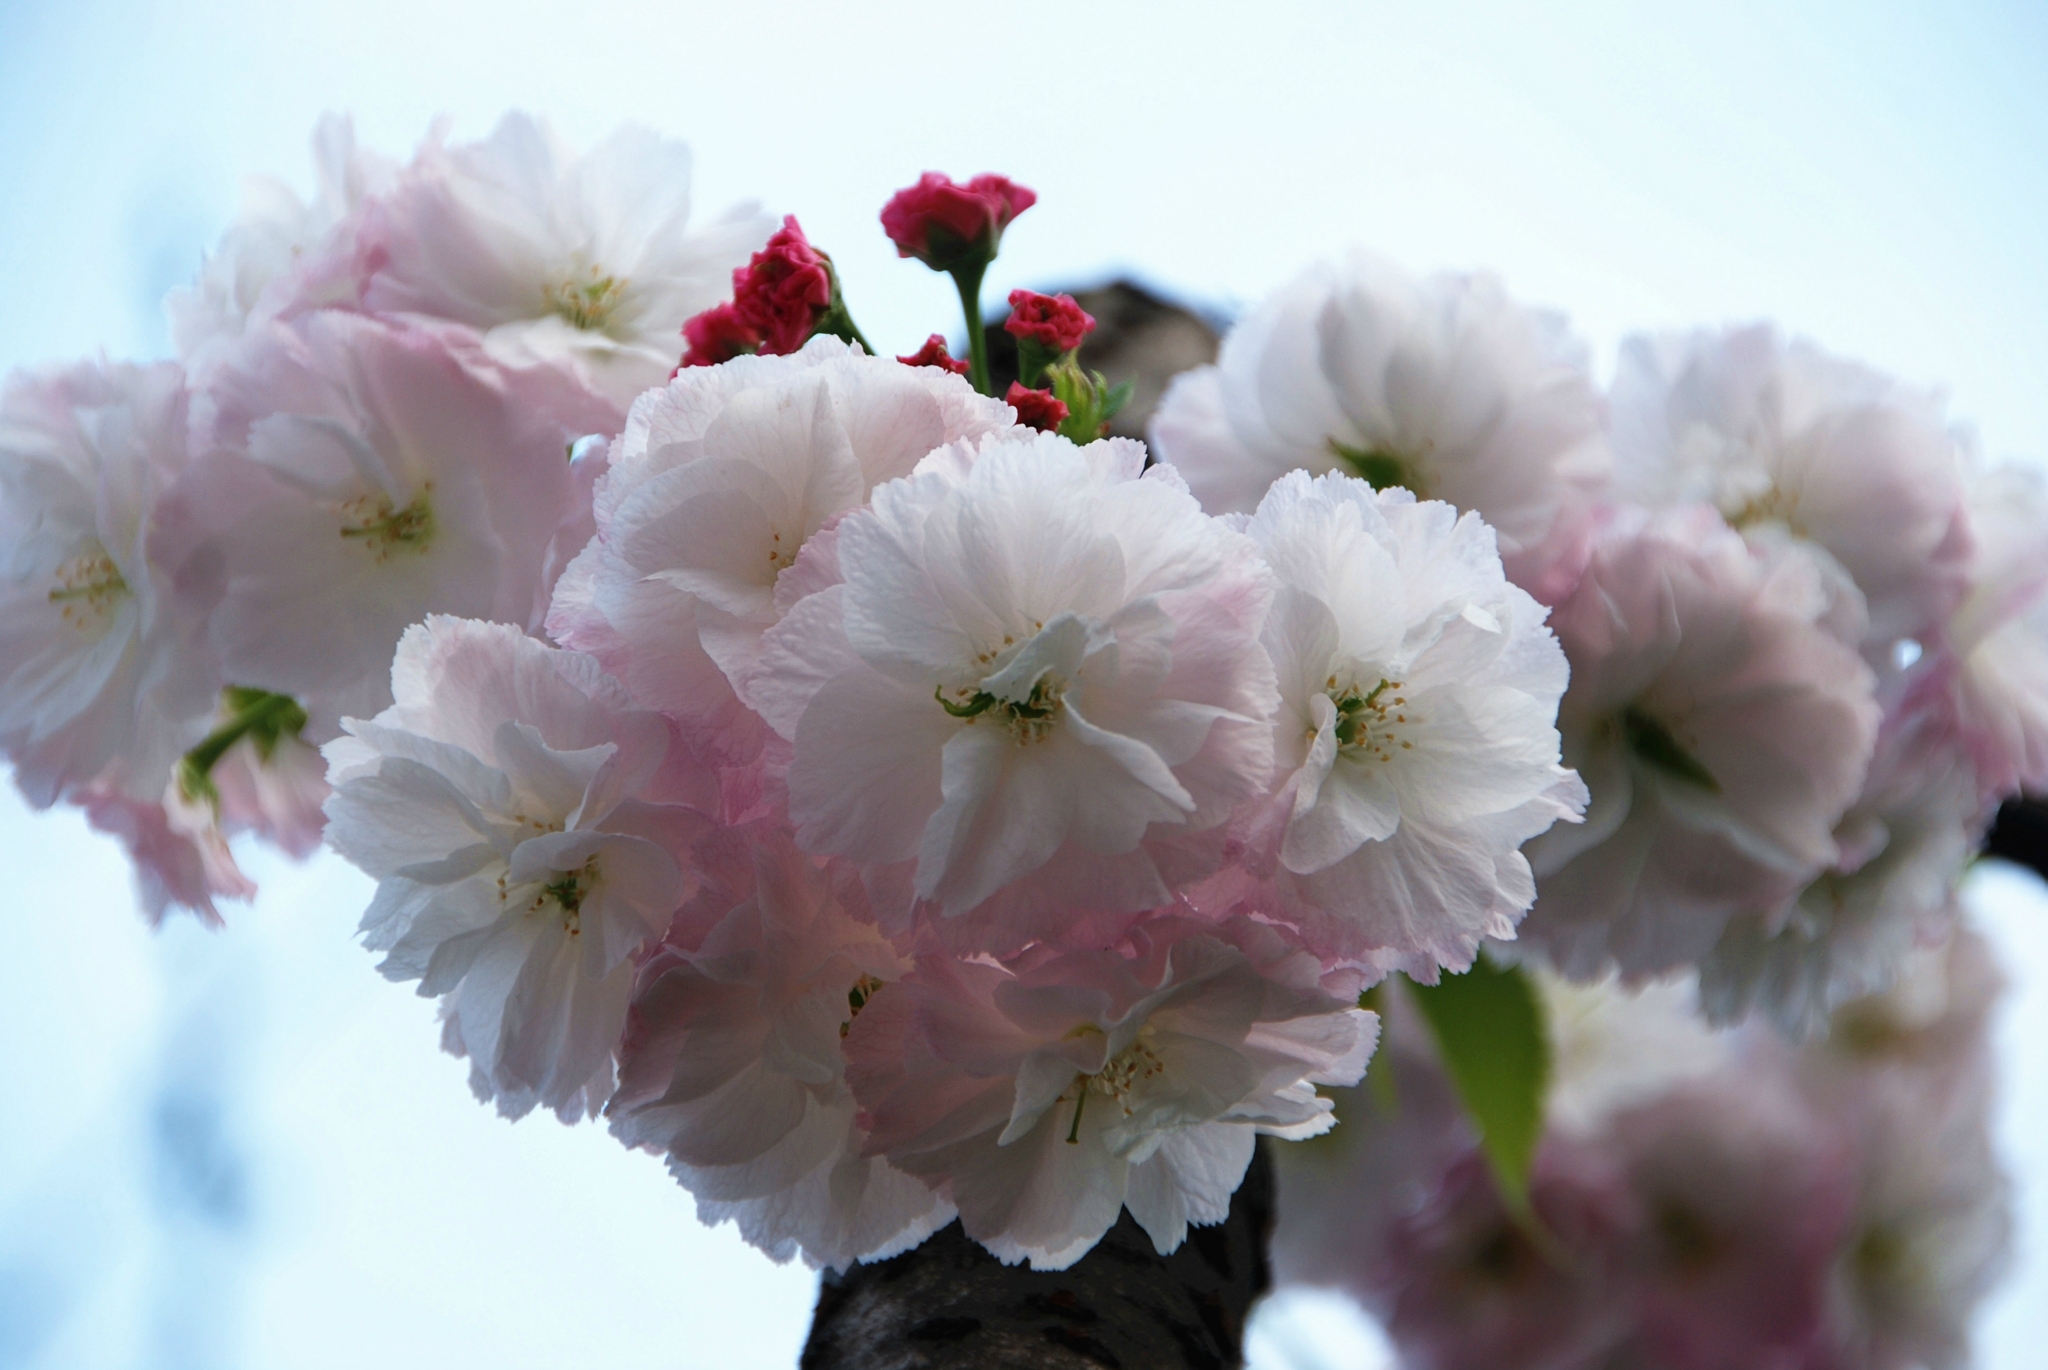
{"points": [[1699, 1199], [1805, 645]]}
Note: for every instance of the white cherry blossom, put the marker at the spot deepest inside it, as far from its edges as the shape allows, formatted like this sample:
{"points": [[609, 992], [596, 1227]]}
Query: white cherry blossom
{"points": [[1416, 742], [716, 485], [1791, 444], [1040, 656], [588, 259], [502, 804], [1443, 386], [282, 253], [101, 680]]}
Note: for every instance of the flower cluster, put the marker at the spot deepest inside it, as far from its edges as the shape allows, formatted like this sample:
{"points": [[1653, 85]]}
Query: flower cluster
{"points": [[1700, 1199], [1806, 649], [892, 804]]}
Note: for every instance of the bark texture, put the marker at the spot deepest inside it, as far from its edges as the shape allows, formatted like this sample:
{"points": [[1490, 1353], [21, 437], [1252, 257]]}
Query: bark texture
{"points": [[950, 1304]]}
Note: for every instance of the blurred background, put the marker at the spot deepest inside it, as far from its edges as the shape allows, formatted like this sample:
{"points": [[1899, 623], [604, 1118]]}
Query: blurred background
{"points": [[244, 1149]]}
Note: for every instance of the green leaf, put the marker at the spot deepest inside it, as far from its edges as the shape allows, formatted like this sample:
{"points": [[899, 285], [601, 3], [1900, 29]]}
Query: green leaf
{"points": [[1489, 1029]]}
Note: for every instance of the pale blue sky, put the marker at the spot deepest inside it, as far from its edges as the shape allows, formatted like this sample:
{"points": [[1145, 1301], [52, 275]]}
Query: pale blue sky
{"points": [[1872, 174]]}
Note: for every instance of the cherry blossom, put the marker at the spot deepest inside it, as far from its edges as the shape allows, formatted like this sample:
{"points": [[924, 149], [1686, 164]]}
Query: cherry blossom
{"points": [[714, 489], [1721, 730], [1443, 386], [732, 1067], [1039, 655], [354, 476], [1047, 1098], [102, 681], [589, 259], [503, 805], [1415, 747]]}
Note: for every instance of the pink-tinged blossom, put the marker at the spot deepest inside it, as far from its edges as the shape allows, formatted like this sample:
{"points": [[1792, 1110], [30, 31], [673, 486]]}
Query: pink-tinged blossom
{"points": [[586, 259], [783, 290], [1793, 445], [1416, 745], [1048, 1097], [934, 353], [717, 335], [732, 1066], [174, 869], [1041, 657], [1999, 635], [1039, 409], [102, 682], [946, 225], [502, 803], [1443, 386], [1054, 322], [354, 476], [1721, 730], [1903, 848], [715, 487], [282, 254], [1466, 1286], [1743, 1194]]}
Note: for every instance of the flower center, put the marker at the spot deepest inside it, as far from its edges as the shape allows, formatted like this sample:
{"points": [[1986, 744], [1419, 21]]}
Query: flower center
{"points": [[1029, 720], [89, 588], [567, 893], [1773, 505], [1369, 722], [1119, 1075], [385, 530], [857, 999], [1381, 469], [587, 301]]}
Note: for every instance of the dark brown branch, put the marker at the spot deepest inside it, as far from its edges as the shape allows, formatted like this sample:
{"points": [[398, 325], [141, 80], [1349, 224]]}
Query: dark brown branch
{"points": [[1122, 1306]]}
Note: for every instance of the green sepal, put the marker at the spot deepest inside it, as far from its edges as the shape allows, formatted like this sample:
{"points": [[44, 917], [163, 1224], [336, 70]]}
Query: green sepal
{"points": [[1490, 1032], [266, 719]]}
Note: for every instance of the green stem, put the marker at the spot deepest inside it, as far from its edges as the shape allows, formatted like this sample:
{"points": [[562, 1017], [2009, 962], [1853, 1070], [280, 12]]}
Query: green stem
{"points": [[264, 713], [1080, 1102], [968, 280]]}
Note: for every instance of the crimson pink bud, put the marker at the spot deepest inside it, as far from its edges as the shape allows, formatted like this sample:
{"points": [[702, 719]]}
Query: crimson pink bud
{"points": [[934, 353], [1055, 322], [1039, 409], [947, 226]]}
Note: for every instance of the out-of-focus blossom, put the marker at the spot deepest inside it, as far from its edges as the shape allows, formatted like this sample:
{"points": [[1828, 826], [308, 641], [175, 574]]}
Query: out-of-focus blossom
{"points": [[934, 353], [1039, 409], [732, 1064], [101, 681], [1721, 730], [1047, 1098], [1415, 746], [1999, 634], [178, 863], [1744, 1193], [282, 254], [1040, 656], [715, 487], [1442, 386], [1791, 444], [946, 225], [502, 804], [1614, 1048], [354, 476], [589, 259]]}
